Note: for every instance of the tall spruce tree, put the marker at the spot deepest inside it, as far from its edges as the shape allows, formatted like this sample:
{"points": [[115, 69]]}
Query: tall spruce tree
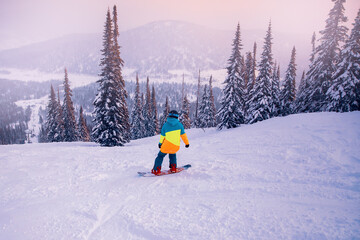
{"points": [[185, 113], [327, 56], [204, 109], [196, 117], [302, 85], [137, 119], [207, 111], [231, 112], [260, 99], [248, 69], [165, 112], [288, 92], [83, 130], [119, 63], [71, 133], [275, 91], [60, 121], [302, 101], [112, 126], [149, 131], [51, 123], [154, 113], [212, 110], [344, 94], [42, 137], [252, 75]]}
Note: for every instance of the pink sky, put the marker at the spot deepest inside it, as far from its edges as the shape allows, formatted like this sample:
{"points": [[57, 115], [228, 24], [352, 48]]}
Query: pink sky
{"points": [[43, 19]]}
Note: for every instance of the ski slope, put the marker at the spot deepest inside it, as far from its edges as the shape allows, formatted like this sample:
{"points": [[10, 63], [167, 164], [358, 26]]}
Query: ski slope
{"points": [[296, 177]]}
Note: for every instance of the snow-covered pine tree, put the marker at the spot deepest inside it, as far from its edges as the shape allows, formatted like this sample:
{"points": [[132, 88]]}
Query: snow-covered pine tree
{"points": [[51, 123], [154, 113], [165, 113], [251, 66], [327, 56], [344, 94], [260, 99], [248, 69], [212, 110], [196, 117], [185, 113], [42, 137], [243, 71], [142, 100], [252, 75], [60, 121], [288, 91], [119, 63], [83, 130], [231, 112], [149, 131], [204, 110], [70, 128], [302, 85], [137, 119], [302, 101], [275, 91], [183, 87], [207, 111], [184, 117], [112, 127]]}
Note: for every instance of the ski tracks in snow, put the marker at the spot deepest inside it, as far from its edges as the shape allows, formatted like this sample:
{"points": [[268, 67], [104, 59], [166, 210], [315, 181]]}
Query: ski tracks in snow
{"points": [[285, 178]]}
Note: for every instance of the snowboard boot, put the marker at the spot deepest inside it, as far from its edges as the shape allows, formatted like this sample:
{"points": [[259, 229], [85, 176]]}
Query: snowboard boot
{"points": [[173, 168], [156, 171]]}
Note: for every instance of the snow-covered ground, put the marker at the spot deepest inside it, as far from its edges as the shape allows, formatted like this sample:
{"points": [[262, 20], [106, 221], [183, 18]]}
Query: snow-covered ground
{"points": [[34, 123], [296, 177], [26, 75]]}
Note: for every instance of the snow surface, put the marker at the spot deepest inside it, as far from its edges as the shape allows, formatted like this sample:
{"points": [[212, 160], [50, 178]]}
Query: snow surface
{"points": [[79, 80], [26, 75], [34, 123], [296, 177]]}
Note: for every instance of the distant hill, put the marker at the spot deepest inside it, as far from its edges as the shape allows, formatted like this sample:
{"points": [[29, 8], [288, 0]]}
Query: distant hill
{"points": [[153, 49]]}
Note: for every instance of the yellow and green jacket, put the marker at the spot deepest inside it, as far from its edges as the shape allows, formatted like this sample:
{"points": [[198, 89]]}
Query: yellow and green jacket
{"points": [[171, 132]]}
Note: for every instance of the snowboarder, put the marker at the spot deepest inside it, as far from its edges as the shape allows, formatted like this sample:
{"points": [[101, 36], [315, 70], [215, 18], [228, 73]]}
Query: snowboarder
{"points": [[169, 143]]}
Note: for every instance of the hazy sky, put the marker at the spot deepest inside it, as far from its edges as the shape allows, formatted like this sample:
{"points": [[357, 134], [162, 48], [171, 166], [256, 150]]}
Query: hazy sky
{"points": [[30, 20]]}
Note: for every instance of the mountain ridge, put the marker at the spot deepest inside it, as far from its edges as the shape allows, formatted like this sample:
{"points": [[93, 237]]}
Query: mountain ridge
{"points": [[154, 49]]}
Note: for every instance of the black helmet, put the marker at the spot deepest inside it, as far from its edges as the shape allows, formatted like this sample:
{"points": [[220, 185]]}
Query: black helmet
{"points": [[173, 114]]}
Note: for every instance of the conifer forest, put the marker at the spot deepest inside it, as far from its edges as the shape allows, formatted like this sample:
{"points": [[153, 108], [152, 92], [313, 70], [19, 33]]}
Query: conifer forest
{"points": [[114, 110]]}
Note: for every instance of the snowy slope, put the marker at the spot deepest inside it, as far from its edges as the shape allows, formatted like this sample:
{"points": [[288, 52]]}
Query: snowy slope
{"points": [[296, 177], [34, 123]]}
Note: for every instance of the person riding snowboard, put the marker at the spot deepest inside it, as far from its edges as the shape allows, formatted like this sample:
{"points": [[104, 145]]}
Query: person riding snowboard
{"points": [[169, 143]]}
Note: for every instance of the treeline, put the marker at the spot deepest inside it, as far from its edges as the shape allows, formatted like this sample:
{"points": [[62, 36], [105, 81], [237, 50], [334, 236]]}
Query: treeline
{"points": [[13, 122], [13, 134], [14, 119], [332, 82], [113, 125], [252, 90], [15, 90], [60, 124], [84, 96]]}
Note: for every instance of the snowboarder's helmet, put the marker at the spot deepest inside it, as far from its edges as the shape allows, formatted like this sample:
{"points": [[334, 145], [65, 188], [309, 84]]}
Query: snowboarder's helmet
{"points": [[173, 114]]}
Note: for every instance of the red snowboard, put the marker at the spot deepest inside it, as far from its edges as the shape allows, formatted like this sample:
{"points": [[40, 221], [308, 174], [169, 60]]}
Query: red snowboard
{"points": [[149, 174]]}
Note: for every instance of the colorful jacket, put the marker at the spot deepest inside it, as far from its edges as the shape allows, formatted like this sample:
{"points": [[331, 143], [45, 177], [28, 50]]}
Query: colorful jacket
{"points": [[171, 132]]}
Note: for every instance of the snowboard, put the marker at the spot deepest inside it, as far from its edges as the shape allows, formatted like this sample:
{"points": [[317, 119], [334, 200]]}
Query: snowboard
{"points": [[167, 172]]}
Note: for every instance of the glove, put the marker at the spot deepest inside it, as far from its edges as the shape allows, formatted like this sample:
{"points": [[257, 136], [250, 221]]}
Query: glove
{"points": [[187, 145], [160, 145]]}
